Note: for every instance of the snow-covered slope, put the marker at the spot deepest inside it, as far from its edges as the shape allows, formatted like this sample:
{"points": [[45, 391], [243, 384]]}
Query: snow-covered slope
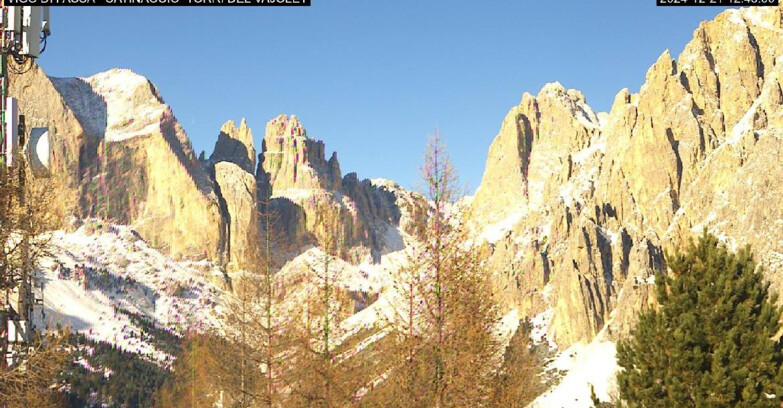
{"points": [[583, 365], [125, 277], [116, 105]]}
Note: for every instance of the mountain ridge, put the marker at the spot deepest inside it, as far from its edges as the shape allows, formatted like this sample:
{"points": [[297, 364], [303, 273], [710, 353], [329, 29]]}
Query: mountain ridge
{"points": [[135, 165], [575, 210], [598, 200]]}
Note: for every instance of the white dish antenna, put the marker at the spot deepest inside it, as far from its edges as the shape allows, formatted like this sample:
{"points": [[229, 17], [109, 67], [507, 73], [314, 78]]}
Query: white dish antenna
{"points": [[38, 152]]}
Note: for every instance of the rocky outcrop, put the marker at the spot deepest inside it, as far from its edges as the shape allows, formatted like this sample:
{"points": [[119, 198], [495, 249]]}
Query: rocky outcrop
{"points": [[235, 145], [293, 160], [128, 160], [308, 192], [42, 105], [237, 189], [232, 163], [577, 208], [135, 163]]}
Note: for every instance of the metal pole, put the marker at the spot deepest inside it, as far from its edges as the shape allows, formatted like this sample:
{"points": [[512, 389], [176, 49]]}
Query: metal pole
{"points": [[25, 286], [4, 303], [22, 281]]}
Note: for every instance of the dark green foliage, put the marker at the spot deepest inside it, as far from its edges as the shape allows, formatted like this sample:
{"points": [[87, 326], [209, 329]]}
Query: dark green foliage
{"points": [[163, 339], [132, 381], [116, 378], [710, 343]]}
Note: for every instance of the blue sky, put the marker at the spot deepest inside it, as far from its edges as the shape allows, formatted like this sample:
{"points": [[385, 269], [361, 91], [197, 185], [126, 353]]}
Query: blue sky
{"points": [[373, 78]]}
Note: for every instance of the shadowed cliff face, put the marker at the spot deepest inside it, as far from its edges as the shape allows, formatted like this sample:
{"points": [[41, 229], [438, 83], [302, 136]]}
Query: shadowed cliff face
{"points": [[315, 198], [580, 206], [231, 166], [235, 144], [126, 157]]}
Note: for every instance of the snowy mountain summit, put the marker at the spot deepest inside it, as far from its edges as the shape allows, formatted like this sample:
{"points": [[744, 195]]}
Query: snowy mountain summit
{"points": [[117, 104]]}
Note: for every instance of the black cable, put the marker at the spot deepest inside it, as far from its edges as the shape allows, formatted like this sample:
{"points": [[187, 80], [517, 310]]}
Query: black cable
{"points": [[24, 61], [43, 41]]}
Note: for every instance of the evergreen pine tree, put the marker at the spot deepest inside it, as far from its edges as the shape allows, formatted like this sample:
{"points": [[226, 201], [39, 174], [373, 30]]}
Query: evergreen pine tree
{"points": [[712, 342]]}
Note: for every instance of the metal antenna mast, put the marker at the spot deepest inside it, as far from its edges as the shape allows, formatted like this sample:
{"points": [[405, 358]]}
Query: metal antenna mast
{"points": [[22, 38]]}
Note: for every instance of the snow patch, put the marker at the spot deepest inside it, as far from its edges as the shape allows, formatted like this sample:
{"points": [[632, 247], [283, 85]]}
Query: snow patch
{"points": [[603, 118], [116, 105], [88, 107], [745, 125], [295, 194], [609, 234], [508, 326], [735, 16], [585, 364], [540, 326], [382, 182], [495, 232], [585, 116], [761, 17], [584, 154]]}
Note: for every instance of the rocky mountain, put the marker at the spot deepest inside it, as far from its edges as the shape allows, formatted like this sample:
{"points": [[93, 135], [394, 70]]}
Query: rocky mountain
{"points": [[231, 166], [577, 208], [298, 180], [128, 160], [126, 157]]}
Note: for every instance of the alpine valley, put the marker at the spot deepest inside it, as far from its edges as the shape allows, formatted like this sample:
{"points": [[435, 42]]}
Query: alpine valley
{"points": [[574, 214]]}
